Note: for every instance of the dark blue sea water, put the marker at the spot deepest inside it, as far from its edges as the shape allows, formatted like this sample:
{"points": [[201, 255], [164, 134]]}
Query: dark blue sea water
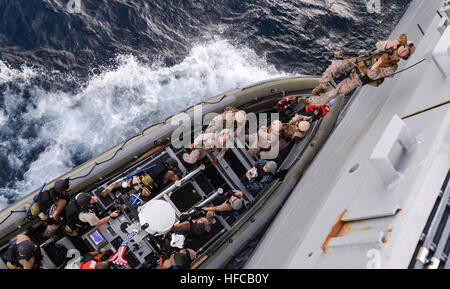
{"points": [[77, 79]]}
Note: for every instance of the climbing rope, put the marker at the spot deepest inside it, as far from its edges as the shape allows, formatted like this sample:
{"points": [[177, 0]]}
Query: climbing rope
{"points": [[426, 109]]}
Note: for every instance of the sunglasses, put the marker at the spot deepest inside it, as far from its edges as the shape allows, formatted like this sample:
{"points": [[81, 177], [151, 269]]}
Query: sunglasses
{"points": [[409, 46]]}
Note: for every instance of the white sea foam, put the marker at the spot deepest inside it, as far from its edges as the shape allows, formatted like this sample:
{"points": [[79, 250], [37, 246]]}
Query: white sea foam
{"points": [[120, 102], [2, 118], [8, 74]]}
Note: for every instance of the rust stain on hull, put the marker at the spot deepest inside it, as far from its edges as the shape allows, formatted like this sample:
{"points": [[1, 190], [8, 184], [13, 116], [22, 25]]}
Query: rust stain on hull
{"points": [[335, 229], [346, 229]]}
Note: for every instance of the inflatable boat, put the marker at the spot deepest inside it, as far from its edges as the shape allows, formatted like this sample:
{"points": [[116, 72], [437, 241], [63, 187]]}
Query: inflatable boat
{"points": [[198, 186]]}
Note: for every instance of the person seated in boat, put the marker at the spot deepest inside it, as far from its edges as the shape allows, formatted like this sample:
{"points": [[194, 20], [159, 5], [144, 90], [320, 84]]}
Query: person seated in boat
{"points": [[148, 183], [362, 70], [224, 120], [292, 132], [299, 129], [264, 138], [229, 201], [164, 173], [317, 111], [299, 117], [50, 205], [141, 184], [23, 254], [180, 259], [80, 214], [93, 260], [259, 176], [197, 226], [209, 142]]}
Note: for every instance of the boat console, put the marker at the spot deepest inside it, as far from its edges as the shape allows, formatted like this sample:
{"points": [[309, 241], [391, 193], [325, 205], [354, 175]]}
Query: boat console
{"points": [[111, 235]]}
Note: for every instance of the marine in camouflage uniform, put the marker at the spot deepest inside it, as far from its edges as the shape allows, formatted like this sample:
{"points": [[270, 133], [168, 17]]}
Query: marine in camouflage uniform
{"points": [[384, 66], [264, 139], [208, 142]]}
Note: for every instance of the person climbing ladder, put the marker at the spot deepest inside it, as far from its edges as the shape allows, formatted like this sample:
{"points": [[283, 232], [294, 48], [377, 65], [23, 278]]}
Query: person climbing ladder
{"points": [[361, 70]]}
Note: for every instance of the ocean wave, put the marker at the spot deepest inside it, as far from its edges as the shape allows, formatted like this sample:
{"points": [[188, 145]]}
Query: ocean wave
{"points": [[58, 130]]}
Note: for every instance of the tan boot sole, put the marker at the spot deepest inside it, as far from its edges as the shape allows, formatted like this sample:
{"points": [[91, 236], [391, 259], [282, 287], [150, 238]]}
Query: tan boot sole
{"points": [[318, 90], [303, 100]]}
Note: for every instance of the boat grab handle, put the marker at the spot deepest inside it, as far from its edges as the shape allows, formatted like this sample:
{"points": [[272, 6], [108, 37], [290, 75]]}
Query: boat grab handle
{"points": [[396, 131], [167, 192]]}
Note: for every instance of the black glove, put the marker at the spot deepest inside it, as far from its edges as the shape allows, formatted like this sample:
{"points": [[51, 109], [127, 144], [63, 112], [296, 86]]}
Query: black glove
{"points": [[166, 251]]}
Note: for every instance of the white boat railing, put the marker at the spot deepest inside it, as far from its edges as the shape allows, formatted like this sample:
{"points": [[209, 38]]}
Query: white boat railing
{"points": [[165, 195]]}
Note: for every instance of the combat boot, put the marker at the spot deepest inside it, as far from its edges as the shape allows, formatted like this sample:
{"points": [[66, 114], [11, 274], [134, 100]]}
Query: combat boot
{"points": [[317, 90], [303, 100]]}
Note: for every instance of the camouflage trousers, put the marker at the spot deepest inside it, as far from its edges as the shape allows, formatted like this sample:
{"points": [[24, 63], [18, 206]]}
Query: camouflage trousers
{"points": [[194, 156], [345, 86]]}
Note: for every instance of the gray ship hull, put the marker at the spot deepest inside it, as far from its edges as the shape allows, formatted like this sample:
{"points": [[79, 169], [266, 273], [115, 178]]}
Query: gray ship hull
{"points": [[365, 199]]}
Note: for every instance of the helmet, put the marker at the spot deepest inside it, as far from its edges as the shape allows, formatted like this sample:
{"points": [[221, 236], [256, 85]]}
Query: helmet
{"points": [[26, 249], [182, 259], [241, 116], [236, 204], [61, 185], [198, 228], [303, 126], [276, 125], [271, 166], [147, 180], [171, 162], [83, 200]]}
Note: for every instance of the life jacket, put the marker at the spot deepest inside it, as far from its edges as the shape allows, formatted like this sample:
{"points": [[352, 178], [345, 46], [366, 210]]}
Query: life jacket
{"points": [[318, 111], [89, 262], [13, 257], [146, 190], [46, 199], [72, 211]]}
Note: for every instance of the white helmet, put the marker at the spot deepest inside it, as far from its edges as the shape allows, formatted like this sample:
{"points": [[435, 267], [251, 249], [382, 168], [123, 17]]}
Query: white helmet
{"points": [[303, 126], [241, 116], [276, 125]]}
